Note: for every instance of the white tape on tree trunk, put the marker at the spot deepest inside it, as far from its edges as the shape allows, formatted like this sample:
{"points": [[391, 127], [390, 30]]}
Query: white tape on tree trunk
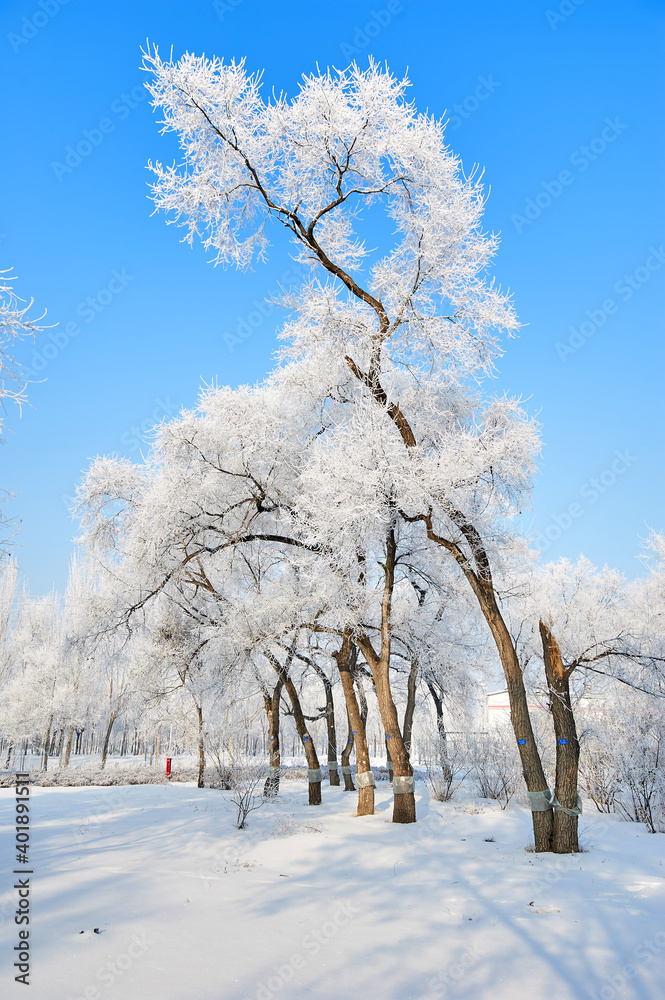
{"points": [[275, 770], [314, 774], [540, 801], [365, 779], [577, 811], [332, 765], [403, 784], [346, 769]]}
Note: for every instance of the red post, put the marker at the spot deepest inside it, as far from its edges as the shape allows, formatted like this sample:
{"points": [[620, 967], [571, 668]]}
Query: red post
{"points": [[168, 767]]}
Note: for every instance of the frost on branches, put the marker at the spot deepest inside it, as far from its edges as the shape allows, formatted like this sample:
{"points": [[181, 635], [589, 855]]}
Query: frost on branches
{"points": [[326, 563]]}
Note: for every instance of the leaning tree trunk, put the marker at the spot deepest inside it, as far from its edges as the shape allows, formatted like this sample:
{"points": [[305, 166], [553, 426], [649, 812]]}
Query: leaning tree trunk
{"points": [[404, 808], [532, 767], [364, 777], [107, 738], [564, 838], [314, 776], [333, 767], [479, 576], [442, 736], [411, 686], [271, 787], [346, 760]]}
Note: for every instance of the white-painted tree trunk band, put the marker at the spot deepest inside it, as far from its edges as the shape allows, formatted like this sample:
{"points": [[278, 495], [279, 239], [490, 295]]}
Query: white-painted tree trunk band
{"points": [[314, 774], [542, 801], [402, 784], [365, 779], [332, 765], [577, 811], [346, 769]]}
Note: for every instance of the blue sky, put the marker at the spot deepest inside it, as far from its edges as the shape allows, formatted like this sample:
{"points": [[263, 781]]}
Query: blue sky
{"points": [[562, 104]]}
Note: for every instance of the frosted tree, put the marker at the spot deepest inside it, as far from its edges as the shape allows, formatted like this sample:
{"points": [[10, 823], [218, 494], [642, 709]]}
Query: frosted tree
{"points": [[410, 334]]}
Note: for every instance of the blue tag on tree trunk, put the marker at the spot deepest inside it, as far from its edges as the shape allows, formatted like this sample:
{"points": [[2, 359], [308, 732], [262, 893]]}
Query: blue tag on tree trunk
{"points": [[521, 742], [562, 742]]}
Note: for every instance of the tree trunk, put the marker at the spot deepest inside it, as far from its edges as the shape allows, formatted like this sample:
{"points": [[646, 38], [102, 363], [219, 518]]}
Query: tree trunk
{"points": [[301, 729], [411, 687], [46, 745], [202, 755], [345, 658], [333, 771], [442, 736], [479, 576], [389, 760], [271, 787], [346, 759], [532, 767], [107, 737], [68, 746], [404, 807], [564, 838]]}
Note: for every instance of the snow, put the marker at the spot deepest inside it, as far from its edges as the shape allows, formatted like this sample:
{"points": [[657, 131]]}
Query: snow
{"points": [[312, 901]]}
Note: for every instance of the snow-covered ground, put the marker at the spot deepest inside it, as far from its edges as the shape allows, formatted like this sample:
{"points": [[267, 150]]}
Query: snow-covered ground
{"points": [[314, 902]]}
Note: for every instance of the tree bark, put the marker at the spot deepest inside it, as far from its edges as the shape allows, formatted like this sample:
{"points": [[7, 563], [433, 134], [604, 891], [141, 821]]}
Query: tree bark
{"points": [[411, 686], [47, 742], [333, 771], [68, 746], [480, 580], [404, 807], [442, 736], [564, 837], [202, 756], [107, 737], [345, 661], [271, 786], [532, 768], [346, 759], [301, 725]]}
